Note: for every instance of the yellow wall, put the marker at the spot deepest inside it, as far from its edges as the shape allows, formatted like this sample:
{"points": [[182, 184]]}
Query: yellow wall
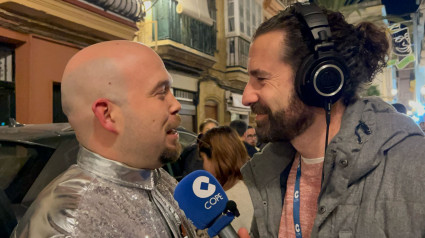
{"points": [[211, 91]]}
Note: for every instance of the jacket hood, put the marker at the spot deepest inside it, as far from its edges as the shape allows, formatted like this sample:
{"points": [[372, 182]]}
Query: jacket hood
{"points": [[370, 126]]}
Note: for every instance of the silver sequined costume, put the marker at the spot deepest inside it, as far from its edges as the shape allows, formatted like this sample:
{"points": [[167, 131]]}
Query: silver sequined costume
{"points": [[103, 198]]}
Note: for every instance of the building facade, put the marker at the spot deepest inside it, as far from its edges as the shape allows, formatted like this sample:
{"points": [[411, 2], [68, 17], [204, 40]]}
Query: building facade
{"points": [[38, 37], [205, 45]]}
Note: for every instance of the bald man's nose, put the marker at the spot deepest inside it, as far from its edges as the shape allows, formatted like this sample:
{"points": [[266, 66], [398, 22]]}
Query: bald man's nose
{"points": [[175, 105]]}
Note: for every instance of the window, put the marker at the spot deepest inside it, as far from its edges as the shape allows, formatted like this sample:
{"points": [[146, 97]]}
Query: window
{"points": [[231, 16], [6, 64], [58, 115], [188, 109], [183, 95], [237, 51], [256, 20], [248, 17], [243, 17], [211, 109], [7, 84]]}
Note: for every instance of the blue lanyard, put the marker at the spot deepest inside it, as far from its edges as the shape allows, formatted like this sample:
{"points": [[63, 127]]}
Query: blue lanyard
{"points": [[296, 208]]}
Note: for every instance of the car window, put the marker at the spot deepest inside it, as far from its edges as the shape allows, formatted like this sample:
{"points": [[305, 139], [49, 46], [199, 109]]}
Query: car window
{"points": [[12, 159], [20, 165]]}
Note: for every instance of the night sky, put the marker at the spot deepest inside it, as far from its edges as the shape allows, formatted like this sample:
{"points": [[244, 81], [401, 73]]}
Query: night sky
{"points": [[400, 7]]}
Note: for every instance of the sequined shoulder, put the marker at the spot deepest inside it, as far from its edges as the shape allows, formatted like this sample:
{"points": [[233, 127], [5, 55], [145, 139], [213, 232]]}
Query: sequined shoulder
{"points": [[53, 212]]}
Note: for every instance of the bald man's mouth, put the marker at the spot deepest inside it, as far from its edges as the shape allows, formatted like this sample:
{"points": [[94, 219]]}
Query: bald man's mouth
{"points": [[172, 132]]}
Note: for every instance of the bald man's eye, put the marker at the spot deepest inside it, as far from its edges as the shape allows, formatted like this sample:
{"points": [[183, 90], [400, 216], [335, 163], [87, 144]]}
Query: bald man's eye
{"points": [[163, 91]]}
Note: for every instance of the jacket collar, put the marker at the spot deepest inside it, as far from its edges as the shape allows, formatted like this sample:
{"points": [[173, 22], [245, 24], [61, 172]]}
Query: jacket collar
{"points": [[115, 171], [269, 163], [359, 144]]}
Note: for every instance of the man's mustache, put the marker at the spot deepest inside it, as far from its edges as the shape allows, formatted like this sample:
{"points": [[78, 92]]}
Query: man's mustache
{"points": [[258, 108], [175, 123]]}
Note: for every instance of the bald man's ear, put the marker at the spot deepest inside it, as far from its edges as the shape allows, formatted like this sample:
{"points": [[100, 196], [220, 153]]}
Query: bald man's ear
{"points": [[103, 110]]}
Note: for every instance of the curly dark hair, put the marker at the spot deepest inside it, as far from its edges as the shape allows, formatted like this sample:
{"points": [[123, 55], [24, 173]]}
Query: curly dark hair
{"points": [[364, 47]]}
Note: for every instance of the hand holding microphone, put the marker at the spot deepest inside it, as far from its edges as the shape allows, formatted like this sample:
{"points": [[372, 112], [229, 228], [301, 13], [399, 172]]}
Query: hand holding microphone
{"points": [[205, 203]]}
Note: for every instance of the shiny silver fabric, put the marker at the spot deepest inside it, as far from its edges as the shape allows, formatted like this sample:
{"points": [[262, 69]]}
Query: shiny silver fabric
{"points": [[103, 198]]}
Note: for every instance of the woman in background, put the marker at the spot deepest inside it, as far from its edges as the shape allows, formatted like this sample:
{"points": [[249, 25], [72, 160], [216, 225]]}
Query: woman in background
{"points": [[224, 154]]}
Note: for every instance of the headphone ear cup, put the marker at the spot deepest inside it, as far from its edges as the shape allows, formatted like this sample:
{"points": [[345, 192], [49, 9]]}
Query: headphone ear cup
{"points": [[321, 79]]}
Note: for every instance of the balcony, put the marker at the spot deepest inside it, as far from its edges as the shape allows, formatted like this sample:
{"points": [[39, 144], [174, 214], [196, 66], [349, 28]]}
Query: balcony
{"points": [[130, 9], [183, 29], [237, 53], [76, 21], [180, 40]]}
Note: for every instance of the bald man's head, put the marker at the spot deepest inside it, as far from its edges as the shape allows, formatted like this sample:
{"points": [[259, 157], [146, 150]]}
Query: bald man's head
{"points": [[104, 70], [100, 71], [117, 96]]}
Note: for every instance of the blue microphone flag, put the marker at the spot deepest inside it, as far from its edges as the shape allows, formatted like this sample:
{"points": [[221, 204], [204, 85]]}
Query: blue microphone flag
{"points": [[201, 197]]}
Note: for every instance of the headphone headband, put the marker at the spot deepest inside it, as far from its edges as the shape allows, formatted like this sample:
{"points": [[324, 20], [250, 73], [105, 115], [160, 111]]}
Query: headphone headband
{"points": [[312, 16], [321, 77]]}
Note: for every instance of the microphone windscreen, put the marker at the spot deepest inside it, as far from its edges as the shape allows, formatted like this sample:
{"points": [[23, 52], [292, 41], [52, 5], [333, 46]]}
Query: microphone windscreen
{"points": [[201, 197]]}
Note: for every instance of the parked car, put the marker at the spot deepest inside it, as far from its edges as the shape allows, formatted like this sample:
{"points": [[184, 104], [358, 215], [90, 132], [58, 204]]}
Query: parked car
{"points": [[31, 156]]}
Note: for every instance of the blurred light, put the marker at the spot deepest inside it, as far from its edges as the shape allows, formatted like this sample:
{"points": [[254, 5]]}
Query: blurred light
{"points": [[394, 91], [409, 113], [420, 109], [415, 118], [412, 104], [147, 4], [3, 123], [423, 90]]}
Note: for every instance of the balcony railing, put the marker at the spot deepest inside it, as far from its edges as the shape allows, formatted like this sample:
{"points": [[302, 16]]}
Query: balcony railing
{"points": [[183, 29], [237, 52], [131, 9]]}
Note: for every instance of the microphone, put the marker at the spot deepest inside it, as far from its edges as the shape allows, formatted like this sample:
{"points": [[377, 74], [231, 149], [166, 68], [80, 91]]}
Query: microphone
{"points": [[205, 203]]}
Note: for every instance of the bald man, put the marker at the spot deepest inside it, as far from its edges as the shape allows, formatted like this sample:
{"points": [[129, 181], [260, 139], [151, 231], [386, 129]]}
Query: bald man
{"points": [[117, 98]]}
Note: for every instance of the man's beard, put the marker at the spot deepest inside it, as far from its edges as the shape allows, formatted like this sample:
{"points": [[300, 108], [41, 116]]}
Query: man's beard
{"points": [[170, 155], [283, 125]]}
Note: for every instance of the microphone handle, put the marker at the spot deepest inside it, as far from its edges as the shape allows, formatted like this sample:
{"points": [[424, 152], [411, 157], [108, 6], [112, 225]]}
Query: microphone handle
{"points": [[228, 232]]}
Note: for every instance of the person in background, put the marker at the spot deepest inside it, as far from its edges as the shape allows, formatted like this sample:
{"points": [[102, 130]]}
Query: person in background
{"points": [[400, 108], [117, 98], [189, 160], [361, 176], [251, 137], [223, 155], [422, 126], [240, 127]]}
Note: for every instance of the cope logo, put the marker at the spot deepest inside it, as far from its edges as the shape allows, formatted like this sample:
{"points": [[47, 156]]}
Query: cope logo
{"points": [[202, 187]]}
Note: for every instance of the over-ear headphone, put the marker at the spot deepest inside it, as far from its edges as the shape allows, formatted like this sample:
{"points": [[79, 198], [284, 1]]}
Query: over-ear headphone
{"points": [[322, 75]]}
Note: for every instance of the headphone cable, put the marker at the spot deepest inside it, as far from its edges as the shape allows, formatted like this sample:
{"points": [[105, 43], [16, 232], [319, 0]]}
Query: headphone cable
{"points": [[328, 105]]}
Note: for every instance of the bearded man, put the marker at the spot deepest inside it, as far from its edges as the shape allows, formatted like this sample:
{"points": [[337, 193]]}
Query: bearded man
{"points": [[337, 165], [117, 98]]}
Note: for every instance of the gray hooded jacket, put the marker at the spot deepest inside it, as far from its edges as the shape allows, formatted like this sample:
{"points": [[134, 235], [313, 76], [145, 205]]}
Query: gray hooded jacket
{"points": [[373, 186]]}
